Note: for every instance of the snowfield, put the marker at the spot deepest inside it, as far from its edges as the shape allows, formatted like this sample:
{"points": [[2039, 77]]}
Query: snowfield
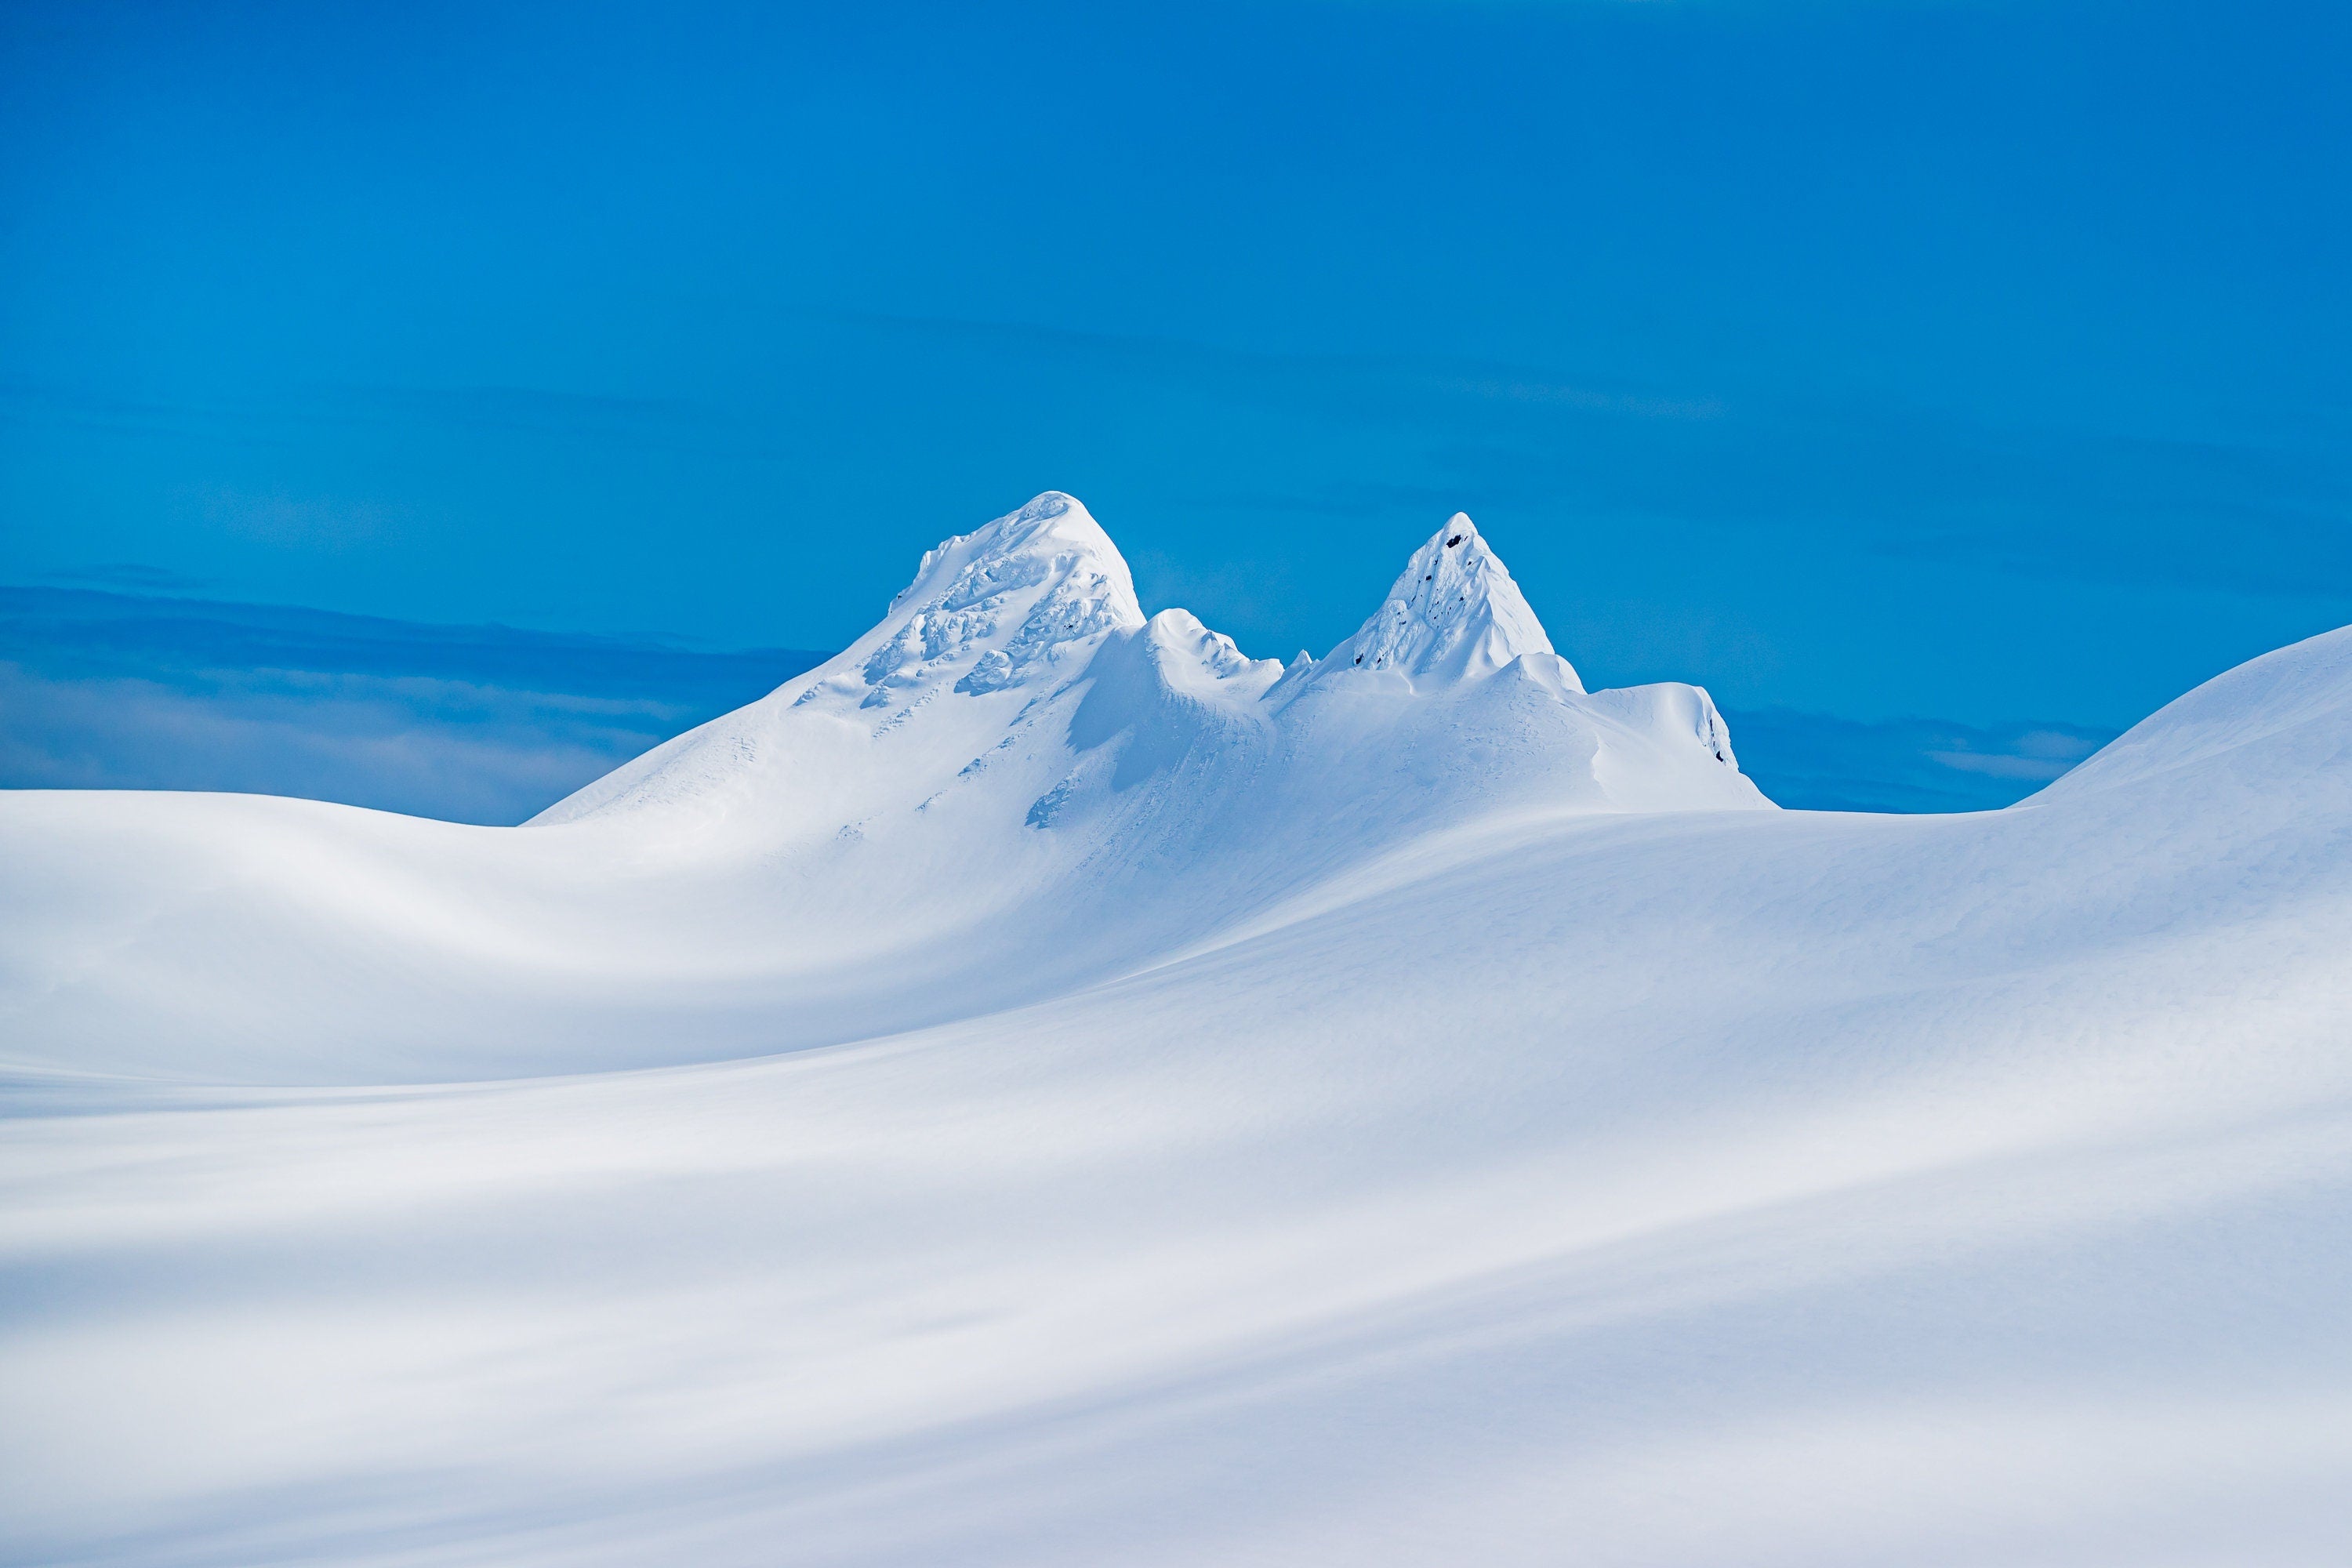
{"points": [[1044, 1087]]}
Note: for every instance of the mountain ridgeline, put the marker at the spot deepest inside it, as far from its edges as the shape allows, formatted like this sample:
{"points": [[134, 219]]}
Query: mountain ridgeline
{"points": [[1019, 651]]}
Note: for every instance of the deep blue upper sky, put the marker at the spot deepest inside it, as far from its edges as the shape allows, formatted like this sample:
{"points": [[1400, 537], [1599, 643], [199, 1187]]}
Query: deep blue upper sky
{"points": [[1987, 361]]}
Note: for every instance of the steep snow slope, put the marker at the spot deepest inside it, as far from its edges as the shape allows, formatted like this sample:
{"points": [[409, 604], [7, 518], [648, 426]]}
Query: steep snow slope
{"points": [[1531, 1182], [1014, 784]]}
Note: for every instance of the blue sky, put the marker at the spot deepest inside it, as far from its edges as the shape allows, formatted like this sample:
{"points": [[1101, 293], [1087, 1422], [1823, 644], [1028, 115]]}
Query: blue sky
{"points": [[1980, 362]]}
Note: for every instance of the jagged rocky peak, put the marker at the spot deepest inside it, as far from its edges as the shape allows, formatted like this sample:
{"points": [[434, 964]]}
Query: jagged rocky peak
{"points": [[990, 607], [1453, 614]]}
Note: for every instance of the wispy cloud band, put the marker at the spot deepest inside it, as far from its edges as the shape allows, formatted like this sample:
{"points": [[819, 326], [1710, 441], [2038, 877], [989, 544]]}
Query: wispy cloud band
{"points": [[488, 724]]}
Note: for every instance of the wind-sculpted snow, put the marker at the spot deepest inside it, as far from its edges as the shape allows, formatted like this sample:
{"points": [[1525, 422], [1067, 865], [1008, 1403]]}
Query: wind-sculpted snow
{"points": [[1164, 1109]]}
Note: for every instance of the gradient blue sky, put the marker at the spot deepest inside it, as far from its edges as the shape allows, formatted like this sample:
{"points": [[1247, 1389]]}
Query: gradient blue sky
{"points": [[1984, 361]]}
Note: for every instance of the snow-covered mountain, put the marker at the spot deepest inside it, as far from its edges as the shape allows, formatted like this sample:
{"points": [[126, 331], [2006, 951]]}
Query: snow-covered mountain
{"points": [[1105, 1098], [1014, 784]]}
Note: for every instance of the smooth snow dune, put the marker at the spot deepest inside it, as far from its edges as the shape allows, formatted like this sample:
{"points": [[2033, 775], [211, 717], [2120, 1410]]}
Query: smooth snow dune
{"points": [[1364, 1134]]}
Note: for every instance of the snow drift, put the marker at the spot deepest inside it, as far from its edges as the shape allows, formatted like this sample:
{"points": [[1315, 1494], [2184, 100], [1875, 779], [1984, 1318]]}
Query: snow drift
{"points": [[1108, 1099]]}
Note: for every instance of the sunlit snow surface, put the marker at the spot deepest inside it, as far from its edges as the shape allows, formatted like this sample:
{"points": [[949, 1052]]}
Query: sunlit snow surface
{"points": [[1044, 1088]]}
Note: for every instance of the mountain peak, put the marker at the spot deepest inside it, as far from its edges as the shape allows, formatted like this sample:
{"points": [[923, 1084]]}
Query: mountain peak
{"points": [[1454, 613], [991, 604], [1049, 524]]}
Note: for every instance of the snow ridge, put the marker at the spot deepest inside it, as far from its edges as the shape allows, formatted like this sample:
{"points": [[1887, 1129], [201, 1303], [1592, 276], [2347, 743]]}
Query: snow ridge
{"points": [[1026, 634]]}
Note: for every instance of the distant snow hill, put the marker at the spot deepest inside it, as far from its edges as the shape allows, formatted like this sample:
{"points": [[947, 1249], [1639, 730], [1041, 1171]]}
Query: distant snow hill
{"points": [[1044, 1088]]}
